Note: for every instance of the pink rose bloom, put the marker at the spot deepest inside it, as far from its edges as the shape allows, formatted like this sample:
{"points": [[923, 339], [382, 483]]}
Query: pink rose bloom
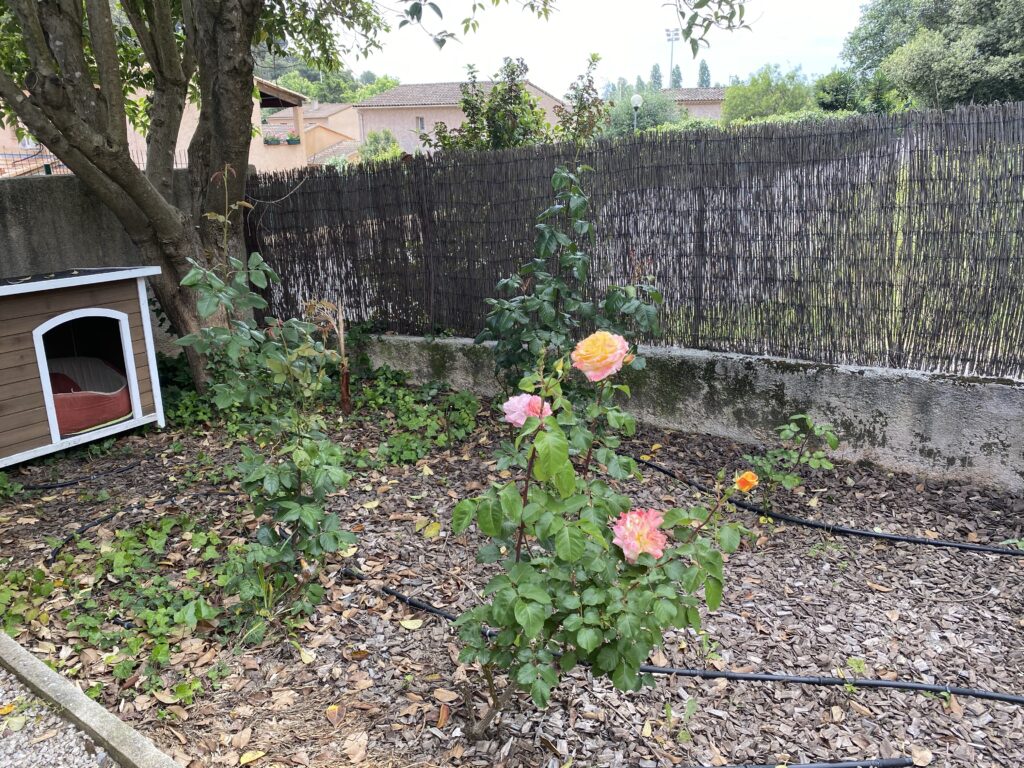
{"points": [[636, 532], [600, 355], [521, 407]]}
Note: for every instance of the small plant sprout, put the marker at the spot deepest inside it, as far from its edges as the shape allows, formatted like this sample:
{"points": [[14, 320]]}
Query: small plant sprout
{"points": [[803, 445]]}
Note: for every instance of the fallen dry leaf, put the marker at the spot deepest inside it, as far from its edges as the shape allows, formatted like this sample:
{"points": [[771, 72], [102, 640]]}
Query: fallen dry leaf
{"points": [[442, 718], [241, 739], [921, 755], [334, 715], [251, 757], [355, 746], [443, 694], [411, 623]]}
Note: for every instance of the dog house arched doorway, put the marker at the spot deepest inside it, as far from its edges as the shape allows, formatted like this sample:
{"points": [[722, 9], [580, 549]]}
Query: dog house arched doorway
{"points": [[77, 360]]}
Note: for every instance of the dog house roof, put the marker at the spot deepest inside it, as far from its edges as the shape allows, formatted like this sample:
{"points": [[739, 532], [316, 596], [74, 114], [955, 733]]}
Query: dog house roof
{"points": [[48, 281]]}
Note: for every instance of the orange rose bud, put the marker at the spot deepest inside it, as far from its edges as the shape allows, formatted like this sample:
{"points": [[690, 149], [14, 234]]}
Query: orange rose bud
{"points": [[747, 481]]}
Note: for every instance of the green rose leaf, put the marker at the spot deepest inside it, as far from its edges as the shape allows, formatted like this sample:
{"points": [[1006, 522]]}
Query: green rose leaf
{"points": [[552, 449], [664, 611], [490, 518], [530, 617], [570, 543], [535, 593], [713, 592], [729, 538], [589, 638], [511, 503], [625, 677], [462, 515]]}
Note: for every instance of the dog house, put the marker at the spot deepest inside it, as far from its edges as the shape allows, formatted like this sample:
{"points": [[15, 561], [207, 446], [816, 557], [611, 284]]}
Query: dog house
{"points": [[77, 361]]}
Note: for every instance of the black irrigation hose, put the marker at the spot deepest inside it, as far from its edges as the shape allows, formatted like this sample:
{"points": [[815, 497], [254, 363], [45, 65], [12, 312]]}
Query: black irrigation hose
{"points": [[840, 530], [889, 762], [77, 480], [899, 685], [760, 677]]}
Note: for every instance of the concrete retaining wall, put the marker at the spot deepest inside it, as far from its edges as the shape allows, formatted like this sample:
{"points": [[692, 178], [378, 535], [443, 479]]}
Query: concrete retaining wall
{"points": [[936, 425], [50, 223]]}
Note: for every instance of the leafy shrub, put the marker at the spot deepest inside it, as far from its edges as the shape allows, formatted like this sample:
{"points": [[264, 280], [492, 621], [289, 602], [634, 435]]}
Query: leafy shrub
{"points": [[9, 488], [546, 307], [269, 378], [585, 577]]}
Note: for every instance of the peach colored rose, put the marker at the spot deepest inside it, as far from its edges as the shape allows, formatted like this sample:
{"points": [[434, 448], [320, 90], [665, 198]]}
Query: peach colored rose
{"points": [[636, 532], [747, 481], [521, 407], [600, 355]]}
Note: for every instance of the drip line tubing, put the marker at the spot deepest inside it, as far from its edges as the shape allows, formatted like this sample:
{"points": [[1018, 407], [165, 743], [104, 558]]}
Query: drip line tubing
{"points": [[760, 677], [839, 530], [889, 762], [77, 480]]}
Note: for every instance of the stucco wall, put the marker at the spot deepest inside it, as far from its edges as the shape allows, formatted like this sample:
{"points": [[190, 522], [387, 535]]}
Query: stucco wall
{"points": [[904, 420], [704, 110], [401, 121]]}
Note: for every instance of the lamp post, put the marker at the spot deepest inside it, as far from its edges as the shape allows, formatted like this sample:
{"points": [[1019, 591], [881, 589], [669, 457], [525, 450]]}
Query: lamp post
{"points": [[673, 36], [636, 102]]}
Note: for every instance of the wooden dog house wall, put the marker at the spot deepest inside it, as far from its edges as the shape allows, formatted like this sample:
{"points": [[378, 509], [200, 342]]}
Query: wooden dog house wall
{"points": [[77, 361]]}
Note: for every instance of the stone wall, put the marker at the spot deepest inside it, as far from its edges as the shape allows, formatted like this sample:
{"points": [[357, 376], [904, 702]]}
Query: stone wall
{"points": [[934, 425]]}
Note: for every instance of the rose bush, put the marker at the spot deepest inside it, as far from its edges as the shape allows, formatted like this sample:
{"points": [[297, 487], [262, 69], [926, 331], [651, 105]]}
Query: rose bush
{"points": [[586, 577]]}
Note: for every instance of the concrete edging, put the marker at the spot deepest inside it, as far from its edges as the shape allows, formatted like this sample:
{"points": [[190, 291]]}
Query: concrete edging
{"points": [[122, 742], [942, 426]]}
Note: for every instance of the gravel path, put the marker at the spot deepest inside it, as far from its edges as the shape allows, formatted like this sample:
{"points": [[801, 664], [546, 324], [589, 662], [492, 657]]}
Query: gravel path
{"points": [[32, 735]]}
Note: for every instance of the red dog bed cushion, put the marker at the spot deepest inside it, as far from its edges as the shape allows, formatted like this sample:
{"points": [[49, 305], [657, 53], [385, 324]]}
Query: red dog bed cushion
{"points": [[87, 393]]}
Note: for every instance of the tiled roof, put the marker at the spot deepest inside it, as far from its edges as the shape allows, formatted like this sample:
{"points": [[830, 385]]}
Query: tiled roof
{"points": [[341, 149], [432, 95], [695, 94], [310, 111]]}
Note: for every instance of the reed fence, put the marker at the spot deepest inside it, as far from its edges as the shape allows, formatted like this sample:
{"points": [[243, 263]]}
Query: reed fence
{"points": [[893, 241]]}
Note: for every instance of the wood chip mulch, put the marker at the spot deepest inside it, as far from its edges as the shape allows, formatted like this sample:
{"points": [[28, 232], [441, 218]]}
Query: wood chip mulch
{"points": [[379, 693]]}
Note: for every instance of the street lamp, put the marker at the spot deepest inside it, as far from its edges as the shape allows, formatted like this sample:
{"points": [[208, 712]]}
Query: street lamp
{"points": [[673, 36], [636, 102]]}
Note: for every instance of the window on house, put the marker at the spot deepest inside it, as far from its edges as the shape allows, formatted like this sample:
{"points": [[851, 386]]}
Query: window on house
{"points": [[421, 124]]}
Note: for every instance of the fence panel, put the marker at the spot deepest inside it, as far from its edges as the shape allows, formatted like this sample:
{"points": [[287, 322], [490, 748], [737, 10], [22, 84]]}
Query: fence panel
{"points": [[892, 241]]}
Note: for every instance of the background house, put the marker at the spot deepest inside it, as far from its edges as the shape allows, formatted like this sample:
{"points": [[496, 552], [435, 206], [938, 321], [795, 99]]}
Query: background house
{"points": [[25, 157], [699, 102], [329, 129], [409, 110]]}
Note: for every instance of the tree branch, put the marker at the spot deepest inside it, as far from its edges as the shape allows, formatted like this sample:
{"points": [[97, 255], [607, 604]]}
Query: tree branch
{"points": [[104, 48]]}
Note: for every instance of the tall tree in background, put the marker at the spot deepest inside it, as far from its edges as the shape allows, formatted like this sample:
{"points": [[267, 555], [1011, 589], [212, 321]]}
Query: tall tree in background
{"points": [[676, 80], [704, 75], [884, 26], [767, 92], [656, 83], [639, 85], [506, 115], [967, 52], [72, 71], [837, 91], [939, 53]]}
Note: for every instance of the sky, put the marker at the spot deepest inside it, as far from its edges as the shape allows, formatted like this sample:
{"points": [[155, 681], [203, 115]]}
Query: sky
{"points": [[629, 35]]}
